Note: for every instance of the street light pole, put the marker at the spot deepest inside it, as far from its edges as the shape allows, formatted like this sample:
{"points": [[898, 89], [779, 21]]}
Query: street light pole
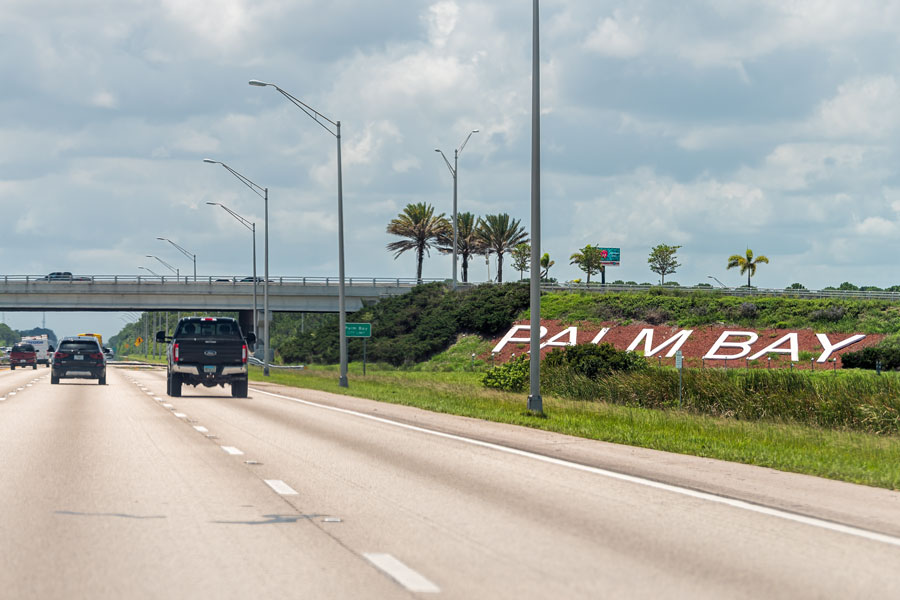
{"points": [[262, 192], [324, 122], [167, 265], [149, 271], [535, 403], [190, 255], [252, 227], [719, 282], [454, 172]]}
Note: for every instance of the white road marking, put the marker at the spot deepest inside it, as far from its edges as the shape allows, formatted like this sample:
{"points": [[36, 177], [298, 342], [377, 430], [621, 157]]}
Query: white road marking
{"points": [[399, 572], [157, 398], [12, 393], [201, 428], [707, 496], [232, 450], [179, 415], [281, 487], [169, 406]]}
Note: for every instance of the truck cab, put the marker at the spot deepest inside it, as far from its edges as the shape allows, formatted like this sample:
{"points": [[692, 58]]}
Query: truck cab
{"points": [[207, 351]]}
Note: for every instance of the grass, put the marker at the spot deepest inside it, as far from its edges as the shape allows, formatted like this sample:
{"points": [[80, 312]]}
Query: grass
{"points": [[856, 457], [849, 456]]}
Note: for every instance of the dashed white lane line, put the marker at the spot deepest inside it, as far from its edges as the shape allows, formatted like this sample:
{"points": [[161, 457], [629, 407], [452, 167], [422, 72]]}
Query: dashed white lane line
{"points": [[201, 428], [706, 496], [399, 572], [232, 450], [157, 398], [281, 487], [169, 406], [180, 415]]}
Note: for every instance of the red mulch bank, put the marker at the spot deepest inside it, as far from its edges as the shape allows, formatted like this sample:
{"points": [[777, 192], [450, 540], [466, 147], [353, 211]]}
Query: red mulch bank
{"points": [[701, 340]]}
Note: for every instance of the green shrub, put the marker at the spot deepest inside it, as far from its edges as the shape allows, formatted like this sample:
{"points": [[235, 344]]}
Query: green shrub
{"points": [[594, 360], [511, 376]]}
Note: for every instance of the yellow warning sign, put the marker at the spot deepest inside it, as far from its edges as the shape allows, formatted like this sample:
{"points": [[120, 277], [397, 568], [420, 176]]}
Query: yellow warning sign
{"points": [[138, 341]]}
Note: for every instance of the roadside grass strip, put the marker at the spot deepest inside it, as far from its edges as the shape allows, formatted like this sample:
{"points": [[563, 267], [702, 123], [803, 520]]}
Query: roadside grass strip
{"points": [[857, 457], [706, 496]]}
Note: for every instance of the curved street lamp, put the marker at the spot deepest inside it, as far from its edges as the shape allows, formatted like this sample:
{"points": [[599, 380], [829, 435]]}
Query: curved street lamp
{"points": [[149, 271], [327, 125], [167, 265], [454, 171], [263, 193], [252, 227], [183, 251]]}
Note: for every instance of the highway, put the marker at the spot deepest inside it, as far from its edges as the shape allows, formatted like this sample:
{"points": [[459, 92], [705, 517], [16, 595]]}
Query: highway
{"points": [[118, 491]]}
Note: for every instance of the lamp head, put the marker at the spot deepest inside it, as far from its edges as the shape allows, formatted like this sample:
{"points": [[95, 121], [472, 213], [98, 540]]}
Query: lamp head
{"points": [[258, 83], [213, 203], [211, 161], [474, 131], [162, 239], [437, 149]]}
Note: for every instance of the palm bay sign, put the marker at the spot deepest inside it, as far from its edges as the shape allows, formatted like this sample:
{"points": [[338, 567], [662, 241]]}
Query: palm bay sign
{"points": [[707, 343]]}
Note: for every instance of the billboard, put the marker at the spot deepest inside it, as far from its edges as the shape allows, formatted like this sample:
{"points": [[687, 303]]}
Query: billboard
{"points": [[610, 255]]}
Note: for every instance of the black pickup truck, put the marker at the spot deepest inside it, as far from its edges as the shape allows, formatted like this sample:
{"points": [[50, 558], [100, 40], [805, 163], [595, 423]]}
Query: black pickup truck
{"points": [[207, 351]]}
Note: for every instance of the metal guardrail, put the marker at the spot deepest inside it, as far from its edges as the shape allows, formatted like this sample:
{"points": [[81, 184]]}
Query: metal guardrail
{"points": [[738, 291], [407, 282], [218, 280]]}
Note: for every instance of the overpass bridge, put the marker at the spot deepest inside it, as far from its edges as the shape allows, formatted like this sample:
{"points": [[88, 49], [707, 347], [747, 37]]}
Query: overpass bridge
{"points": [[214, 293]]}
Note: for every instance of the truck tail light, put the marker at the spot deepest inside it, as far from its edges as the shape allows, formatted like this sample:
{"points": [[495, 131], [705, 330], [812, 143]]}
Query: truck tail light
{"points": [[175, 353], [244, 354]]}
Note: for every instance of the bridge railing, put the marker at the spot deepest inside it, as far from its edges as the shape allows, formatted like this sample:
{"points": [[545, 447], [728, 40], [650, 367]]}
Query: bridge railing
{"points": [[217, 280]]}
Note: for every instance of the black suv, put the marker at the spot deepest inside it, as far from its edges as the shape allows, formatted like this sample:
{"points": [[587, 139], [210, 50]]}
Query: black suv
{"points": [[78, 357], [207, 351]]}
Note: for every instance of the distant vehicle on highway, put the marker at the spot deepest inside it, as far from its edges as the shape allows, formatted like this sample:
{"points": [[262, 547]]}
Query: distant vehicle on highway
{"points": [[108, 352], [22, 355], [78, 357], [258, 280], [43, 347], [62, 276]]}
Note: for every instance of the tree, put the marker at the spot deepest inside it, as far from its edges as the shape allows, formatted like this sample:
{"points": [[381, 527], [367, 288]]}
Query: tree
{"points": [[467, 243], [418, 224], [521, 256], [663, 260], [589, 260], [546, 263], [746, 263], [500, 234]]}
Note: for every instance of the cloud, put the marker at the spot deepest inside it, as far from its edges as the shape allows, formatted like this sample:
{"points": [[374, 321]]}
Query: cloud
{"points": [[617, 37]]}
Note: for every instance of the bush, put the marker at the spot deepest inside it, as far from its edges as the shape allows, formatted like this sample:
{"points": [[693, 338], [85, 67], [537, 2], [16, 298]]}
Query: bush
{"points": [[832, 313], [511, 376], [594, 360], [748, 310], [887, 352]]}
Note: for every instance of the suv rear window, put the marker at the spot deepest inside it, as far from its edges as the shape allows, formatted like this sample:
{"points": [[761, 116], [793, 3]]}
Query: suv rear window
{"points": [[82, 345], [23, 348], [207, 329]]}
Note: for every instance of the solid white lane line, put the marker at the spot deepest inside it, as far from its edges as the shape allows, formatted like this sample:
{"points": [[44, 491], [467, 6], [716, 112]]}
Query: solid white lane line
{"points": [[399, 572], [709, 497], [201, 428], [232, 450], [281, 487], [179, 415]]}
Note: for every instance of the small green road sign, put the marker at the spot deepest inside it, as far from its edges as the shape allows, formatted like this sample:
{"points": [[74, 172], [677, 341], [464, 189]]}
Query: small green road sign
{"points": [[359, 330]]}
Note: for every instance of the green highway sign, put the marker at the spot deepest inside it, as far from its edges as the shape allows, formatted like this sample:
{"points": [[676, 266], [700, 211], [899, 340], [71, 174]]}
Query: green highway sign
{"points": [[362, 330]]}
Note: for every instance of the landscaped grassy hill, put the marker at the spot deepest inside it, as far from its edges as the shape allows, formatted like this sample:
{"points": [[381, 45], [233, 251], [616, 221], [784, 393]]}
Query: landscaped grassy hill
{"points": [[414, 327]]}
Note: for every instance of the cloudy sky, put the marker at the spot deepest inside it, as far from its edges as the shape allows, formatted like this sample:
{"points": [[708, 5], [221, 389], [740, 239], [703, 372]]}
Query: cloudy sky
{"points": [[717, 126]]}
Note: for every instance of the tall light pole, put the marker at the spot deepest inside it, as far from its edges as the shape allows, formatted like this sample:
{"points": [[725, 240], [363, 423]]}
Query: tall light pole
{"points": [[252, 227], [167, 265], [535, 403], [719, 282], [454, 171], [263, 193], [190, 255], [336, 132]]}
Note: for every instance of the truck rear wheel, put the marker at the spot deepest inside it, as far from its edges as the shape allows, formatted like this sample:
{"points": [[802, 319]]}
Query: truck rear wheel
{"points": [[173, 385], [239, 389], [12, 367]]}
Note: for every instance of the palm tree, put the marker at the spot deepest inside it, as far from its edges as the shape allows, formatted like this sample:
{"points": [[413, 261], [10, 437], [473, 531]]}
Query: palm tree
{"points": [[589, 260], [467, 243], [418, 224], [500, 234], [746, 263], [546, 263]]}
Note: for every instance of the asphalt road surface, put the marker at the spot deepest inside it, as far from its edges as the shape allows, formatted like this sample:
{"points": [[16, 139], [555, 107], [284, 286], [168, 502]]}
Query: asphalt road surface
{"points": [[118, 491]]}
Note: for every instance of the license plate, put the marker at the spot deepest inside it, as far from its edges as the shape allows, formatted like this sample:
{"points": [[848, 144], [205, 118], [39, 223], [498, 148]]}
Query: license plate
{"points": [[209, 368], [78, 357]]}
